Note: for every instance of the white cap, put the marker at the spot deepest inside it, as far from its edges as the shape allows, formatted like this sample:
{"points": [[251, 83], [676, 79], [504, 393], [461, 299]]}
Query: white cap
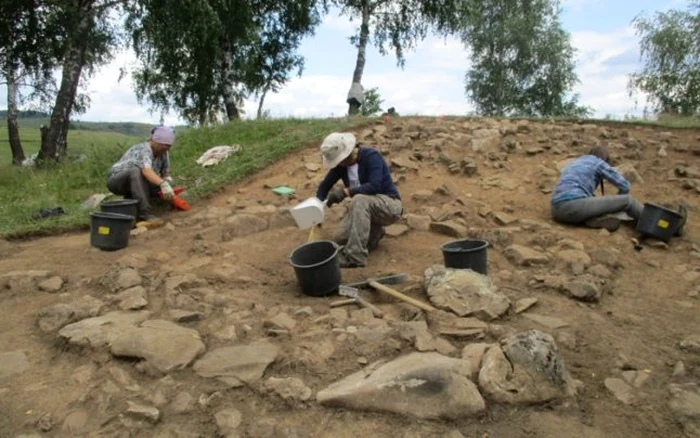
{"points": [[337, 147]]}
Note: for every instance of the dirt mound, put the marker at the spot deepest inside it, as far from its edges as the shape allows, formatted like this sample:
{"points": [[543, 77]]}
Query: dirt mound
{"points": [[622, 320]]}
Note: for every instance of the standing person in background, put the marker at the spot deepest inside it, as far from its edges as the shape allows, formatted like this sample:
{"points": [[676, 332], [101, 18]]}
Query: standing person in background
{"points": [[143, 170]]}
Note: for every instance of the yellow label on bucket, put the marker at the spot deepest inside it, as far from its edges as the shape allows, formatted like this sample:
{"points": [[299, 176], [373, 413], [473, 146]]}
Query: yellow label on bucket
{"points": [[662, 224], [103, 231]]}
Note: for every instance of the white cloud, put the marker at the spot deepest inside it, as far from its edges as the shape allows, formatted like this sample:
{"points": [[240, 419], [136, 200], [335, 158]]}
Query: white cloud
{"points": [[432, 82], [605, 61]]}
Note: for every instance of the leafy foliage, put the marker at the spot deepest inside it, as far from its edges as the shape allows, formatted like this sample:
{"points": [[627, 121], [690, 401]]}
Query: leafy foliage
{"points": [[670, 50], [399, 25], [372, 104], [522, 59], [213, 53]]}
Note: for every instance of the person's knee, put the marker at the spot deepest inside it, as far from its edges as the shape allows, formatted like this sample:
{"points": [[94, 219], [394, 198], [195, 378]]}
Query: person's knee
{"points": [[135, 174], [360, 201]]}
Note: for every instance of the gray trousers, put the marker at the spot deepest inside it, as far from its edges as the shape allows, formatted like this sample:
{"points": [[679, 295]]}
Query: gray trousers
{"points": [[578, 211], [131, 184], [363, 225]]}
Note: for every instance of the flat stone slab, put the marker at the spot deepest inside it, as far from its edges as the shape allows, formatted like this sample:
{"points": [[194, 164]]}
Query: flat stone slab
{"points": [[464, 292], [237, 365], [423, 385], [101, 331], [547, 321], [13, 362], [163, 344]]}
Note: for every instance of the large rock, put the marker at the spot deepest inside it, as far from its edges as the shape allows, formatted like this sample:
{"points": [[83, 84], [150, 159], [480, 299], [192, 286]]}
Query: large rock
{"points": [[691, 343], [102, 330], [132, 299], [242, 225], [574, 260], [237, 365], [228, 422], [417, 222], [52, 285], [164, 345], [464, 292], [22, 281], [289, 388], [524, 256], [630, 173], [12, 362], [526, 368], [584, 289], [57, 316], [449, 228], [685, 405], [621, 390], [424, 385]]}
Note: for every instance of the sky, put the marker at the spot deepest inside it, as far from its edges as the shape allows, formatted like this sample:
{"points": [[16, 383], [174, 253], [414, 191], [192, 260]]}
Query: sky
{"points": [[432, 81]]}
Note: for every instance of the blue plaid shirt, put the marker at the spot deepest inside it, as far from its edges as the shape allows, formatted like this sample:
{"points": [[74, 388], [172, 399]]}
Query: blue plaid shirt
{"points": [[581, 178]]}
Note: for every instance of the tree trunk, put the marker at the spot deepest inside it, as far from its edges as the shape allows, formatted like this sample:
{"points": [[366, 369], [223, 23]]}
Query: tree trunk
{"points": [[262, 100], [54, 145], [230, 100], [354, 108], [12, 126]]}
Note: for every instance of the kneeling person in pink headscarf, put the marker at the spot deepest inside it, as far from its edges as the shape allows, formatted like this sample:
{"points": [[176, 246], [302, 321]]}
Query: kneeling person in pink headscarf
{"points": [[143, 170], [374, 199]]}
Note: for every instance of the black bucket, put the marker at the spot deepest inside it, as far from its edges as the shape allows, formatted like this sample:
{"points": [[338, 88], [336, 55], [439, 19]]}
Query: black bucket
{"points": [[110, 231], [316, 267], [129, 207], [658, 222], [466, 254]]}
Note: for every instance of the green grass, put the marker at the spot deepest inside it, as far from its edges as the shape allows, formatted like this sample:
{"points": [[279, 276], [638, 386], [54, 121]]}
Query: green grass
{"points": [[78, 142], [24, 191]]}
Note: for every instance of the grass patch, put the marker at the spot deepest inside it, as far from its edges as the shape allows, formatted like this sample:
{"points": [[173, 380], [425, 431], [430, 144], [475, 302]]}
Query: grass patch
{"points": [[78, 142], [24, 191]]}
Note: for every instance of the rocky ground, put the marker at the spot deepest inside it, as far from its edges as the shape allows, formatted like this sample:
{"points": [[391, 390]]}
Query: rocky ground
{"points": [[198, 329]]}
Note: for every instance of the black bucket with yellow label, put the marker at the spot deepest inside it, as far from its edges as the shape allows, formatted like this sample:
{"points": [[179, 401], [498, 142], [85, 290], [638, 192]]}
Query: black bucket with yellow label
{"points": [[659, 222], [110, 231]]}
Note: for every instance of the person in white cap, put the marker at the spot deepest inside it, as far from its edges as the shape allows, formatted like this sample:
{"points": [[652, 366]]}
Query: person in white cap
{"points": [[374, 200], [143, 169]]}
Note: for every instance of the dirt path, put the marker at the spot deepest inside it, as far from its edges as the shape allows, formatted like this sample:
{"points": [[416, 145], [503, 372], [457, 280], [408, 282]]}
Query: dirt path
{"points": [[225, 262]]}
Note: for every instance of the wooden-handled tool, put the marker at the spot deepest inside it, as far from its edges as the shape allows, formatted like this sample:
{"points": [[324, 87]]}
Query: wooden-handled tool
{"points": [[353, 293], [396, 294]]}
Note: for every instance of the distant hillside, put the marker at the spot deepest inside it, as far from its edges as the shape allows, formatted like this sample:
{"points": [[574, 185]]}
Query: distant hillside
{"points": [[34, 119]]}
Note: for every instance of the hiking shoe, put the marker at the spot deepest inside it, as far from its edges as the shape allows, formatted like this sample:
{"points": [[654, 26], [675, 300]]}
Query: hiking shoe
{"points": [[609, 222], [683, 211]]}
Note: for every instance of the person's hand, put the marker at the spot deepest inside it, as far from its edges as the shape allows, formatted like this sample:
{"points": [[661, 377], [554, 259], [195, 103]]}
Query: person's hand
{"points": [[169, 179], [335, 197], [167, 189]]}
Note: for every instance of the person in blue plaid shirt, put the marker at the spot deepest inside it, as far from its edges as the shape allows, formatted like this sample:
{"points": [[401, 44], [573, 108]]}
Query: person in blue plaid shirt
{"points": [[574, 200]]}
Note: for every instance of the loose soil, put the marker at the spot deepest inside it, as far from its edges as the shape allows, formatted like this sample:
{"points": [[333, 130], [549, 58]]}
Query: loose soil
{"points": [[648, 306]]}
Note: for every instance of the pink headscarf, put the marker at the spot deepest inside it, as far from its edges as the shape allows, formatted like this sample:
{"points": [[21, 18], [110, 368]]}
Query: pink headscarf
{"points": [[163, 135]]}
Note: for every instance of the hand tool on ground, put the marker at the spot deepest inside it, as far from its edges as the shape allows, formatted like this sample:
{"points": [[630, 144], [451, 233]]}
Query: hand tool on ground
{"points": [[341, 303], [396, 294], [389, 280], [353, 293]]}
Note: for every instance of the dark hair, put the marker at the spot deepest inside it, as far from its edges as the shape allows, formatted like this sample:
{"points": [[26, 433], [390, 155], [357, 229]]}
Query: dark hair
{"points": [[601, 152]]}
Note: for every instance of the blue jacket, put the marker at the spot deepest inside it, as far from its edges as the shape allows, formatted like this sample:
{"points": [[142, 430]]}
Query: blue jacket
{"points": [[373, 172], [581, 178]]}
